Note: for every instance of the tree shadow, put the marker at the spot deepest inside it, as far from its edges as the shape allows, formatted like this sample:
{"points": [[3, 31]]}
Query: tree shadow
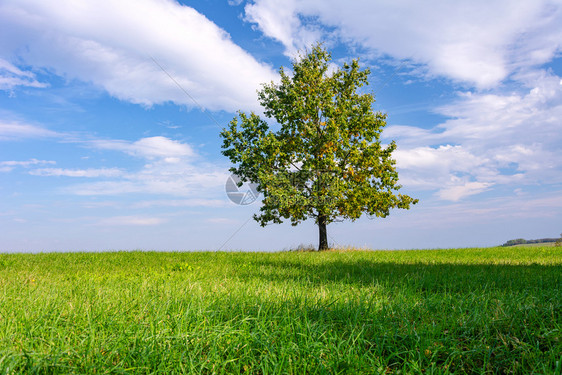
{"points": [[426, 276], [469, 317]]}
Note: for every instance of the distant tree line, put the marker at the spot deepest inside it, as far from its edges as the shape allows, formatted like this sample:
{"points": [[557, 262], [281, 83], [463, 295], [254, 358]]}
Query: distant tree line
{"points": [[522, 241]]}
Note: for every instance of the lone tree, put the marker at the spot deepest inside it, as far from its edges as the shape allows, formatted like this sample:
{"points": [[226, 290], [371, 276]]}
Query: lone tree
{"points": [[325, 160]]}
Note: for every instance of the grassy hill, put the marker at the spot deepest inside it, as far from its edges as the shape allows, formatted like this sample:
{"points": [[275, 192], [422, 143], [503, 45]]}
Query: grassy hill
{"points": [[496, 310], [539, 242]]}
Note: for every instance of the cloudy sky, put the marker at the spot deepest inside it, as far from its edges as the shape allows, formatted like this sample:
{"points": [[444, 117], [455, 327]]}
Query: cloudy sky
{"points": [[110, 114]]}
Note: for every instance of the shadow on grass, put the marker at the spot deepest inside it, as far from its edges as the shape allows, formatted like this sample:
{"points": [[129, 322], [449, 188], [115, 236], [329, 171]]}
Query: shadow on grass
{"points": [[431, 277], [468, 317]]}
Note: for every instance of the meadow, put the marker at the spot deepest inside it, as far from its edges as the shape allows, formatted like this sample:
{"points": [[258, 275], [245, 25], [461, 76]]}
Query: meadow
{"points": [[494, 310]]}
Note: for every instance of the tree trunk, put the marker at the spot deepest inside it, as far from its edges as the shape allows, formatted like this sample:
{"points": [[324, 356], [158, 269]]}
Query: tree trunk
{"points": [[323, 241]]}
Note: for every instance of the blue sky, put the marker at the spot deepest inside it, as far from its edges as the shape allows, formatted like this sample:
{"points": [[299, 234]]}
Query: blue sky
{"points": [[101, 150]]}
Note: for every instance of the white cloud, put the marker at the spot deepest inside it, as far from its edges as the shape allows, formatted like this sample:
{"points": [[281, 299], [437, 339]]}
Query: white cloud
{"points": [[479, 42], [448, 169], [91, 172], [492, 136], [15, 130], [455, 193], [173, 168], [522, 206], [444, 158], [111, 44], [499, 139], [131, 220], [105, 188], [11, 76], [222, 220], [150, 148], [281, 22], [183, 179], [194, 202], [9, 165]]}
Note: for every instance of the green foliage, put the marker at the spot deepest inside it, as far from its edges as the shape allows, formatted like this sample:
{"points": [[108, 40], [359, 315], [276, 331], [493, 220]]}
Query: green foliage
{"points": [[518, 241], [326, 161], [522, 241], [495, 310]]}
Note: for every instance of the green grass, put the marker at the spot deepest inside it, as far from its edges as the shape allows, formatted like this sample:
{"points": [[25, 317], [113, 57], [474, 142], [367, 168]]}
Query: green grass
{"points": [[496, 310]]}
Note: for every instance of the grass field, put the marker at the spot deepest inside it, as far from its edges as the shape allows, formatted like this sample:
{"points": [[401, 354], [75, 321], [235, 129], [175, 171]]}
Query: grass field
{"points": [[496, 310]]}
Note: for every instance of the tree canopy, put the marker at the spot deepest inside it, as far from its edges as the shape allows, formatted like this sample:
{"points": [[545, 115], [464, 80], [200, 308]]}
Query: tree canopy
{"points": [[323, 159]]}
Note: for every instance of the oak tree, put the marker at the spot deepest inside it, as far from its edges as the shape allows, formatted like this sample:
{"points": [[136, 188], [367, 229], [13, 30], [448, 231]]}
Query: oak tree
{"points": [[322, 157]]}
